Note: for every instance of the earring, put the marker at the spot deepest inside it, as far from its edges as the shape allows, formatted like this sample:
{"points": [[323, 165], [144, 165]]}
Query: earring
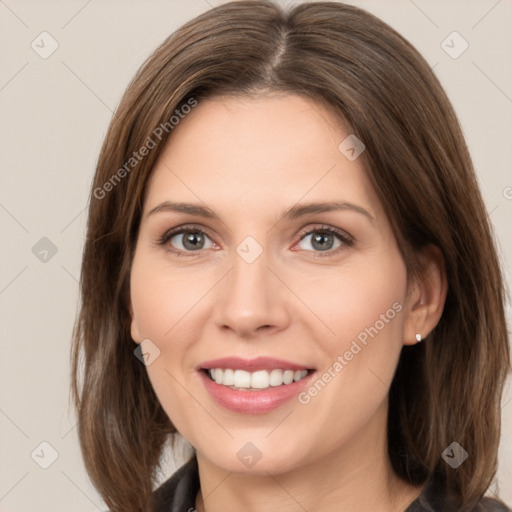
{"points": [[418, 337]]}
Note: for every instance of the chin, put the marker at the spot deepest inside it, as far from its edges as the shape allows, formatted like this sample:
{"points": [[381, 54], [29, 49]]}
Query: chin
{"points": [[256, 458]]}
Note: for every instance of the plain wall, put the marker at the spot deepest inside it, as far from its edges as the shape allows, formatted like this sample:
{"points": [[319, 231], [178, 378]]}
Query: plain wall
{"points": [[55, 112]]}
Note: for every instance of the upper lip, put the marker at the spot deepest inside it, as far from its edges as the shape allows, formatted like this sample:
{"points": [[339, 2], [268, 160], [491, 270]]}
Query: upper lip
{"points": [[252, 365]]}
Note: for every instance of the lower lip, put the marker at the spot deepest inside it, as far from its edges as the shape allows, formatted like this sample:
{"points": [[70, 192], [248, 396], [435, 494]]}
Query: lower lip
{"points": [[254, 402]]}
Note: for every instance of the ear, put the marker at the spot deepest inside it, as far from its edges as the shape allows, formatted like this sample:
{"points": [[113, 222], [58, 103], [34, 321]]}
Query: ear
{"points": [[426, 296], [134, 327]]}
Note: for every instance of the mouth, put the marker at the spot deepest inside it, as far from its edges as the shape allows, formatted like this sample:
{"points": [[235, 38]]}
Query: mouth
{"points": [[256, 386], [254, 374], [243, 380]]}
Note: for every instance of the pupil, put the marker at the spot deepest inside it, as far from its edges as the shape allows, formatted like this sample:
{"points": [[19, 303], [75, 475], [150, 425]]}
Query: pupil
{"points": [[192, 240], [320, 238]]}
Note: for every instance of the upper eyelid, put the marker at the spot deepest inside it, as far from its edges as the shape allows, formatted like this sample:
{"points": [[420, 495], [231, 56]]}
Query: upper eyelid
{"points": [[186, 227]]}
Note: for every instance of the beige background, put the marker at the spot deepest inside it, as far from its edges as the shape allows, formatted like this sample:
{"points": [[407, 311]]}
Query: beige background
{"points": [[55, 112]]}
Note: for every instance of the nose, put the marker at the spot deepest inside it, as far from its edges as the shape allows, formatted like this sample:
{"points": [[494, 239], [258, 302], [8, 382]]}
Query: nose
{"points": [[252, 299]]}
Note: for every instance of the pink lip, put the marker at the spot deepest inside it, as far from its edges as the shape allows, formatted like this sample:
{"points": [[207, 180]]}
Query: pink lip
{"points": [[251, 365], [253, 402]]}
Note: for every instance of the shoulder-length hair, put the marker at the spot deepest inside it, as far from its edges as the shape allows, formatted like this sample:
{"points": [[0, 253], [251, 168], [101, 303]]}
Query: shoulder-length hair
{"points": [[445, 389]]}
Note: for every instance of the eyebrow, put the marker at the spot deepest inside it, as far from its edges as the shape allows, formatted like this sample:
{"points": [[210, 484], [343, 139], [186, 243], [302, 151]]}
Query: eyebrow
{"points": [[295, 212]]}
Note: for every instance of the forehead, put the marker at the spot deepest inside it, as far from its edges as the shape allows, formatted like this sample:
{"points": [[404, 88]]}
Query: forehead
{"points": [[257, 128], [257, 152]]}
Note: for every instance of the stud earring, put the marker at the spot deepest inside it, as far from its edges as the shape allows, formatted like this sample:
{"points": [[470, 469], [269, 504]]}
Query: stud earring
{"points": [[418, 337]]}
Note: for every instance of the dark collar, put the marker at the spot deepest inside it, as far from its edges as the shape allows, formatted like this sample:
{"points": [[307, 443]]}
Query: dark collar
{"points": [[178, 494]]}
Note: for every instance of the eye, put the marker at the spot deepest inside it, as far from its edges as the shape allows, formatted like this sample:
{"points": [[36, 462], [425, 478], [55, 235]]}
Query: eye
{"points": [[194, 240], [326, 239], [186, 240]]}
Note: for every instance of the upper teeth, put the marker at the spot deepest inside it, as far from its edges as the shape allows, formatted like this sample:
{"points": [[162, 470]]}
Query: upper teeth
{"points": [[257, 380]]}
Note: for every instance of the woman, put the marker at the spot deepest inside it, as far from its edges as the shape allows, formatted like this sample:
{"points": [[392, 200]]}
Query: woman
{"points": [[288, 262]]}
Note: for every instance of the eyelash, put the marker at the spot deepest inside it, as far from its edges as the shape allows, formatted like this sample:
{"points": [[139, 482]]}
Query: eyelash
{"points": [[345, 238]]}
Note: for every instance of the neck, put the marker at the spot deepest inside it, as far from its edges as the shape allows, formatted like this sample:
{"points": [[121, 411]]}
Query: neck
{"points": [[357, 476]]}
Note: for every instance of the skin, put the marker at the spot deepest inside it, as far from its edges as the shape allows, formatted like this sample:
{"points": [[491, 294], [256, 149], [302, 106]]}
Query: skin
{"points": [[249, 159]]}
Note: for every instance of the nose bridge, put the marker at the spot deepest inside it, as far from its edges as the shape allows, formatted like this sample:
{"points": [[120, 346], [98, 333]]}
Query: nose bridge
{"points": [[250, 297], [248, 282]]}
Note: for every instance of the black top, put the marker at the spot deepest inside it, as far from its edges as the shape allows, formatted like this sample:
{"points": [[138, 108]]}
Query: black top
{"points": [[178, 494]]}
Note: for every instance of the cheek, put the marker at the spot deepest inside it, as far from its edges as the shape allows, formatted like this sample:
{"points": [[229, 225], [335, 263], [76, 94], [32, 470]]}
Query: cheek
{"points": [[356, 298], [162, 297], [360, 333], [160, 301], [364, 308]]}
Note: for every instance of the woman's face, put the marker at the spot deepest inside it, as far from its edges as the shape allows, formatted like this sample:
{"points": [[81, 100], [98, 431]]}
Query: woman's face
{"points": [[262, 278]]}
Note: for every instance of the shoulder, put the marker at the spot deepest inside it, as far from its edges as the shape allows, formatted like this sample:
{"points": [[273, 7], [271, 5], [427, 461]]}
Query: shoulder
{"points": [[178, 493], [435, 497], [484, 505], [491, 505]]}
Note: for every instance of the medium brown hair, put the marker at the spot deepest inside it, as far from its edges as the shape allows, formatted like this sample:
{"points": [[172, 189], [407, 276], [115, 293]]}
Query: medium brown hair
{"points": [[447, 388]]}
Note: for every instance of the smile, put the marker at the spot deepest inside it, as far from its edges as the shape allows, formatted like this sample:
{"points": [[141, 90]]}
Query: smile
{"points": [[253, 386], [262, 379]]}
